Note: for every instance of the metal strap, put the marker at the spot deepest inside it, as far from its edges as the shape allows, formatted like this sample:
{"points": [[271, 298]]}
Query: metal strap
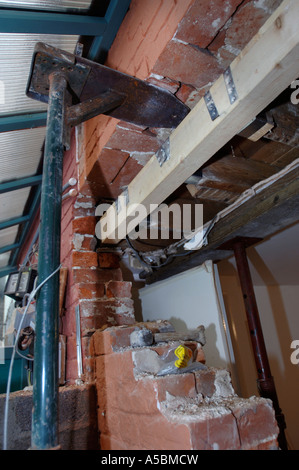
{"points": [[123, 198], [163, 154], [230, 85], [213, 111]]}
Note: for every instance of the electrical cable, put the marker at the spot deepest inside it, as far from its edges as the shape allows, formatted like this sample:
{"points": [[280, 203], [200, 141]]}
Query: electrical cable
{"points": [[30, 298], [174, 255]]}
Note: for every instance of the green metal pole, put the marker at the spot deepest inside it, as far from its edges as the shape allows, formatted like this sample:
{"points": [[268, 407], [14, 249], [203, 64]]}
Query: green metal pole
{"points": [[45, 383]]}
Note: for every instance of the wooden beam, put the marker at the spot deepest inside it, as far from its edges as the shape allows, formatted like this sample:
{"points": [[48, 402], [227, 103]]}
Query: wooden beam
{"points": [[235, 173], [275, 207], [266, 67]]}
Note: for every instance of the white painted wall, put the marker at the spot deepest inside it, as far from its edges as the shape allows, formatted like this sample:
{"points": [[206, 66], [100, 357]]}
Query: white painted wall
{"points": [[188, 300], [278, 310]]}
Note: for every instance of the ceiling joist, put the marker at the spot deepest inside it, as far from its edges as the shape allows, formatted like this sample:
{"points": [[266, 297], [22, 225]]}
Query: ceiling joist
{"points": [[270, 208], [266, 67]]}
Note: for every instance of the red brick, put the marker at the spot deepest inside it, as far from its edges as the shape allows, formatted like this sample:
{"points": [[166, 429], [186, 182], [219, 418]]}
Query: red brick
{"points": [[108, 442], [108, 260], [204, 19], [187, 64], [85, 259], [89, 368], [82, 275], [198, 352], [91, 290], [127, 173], [111, 340], [205, 382], [272, 444], [71, 371], [84, 242], [71, 347], [84, 208], [118, 312], [217, 430], [155, 432], [84, 225], [118, 289], [256, 421], [190, 95], [164, 82], [130, 141], [107, 166], [244, 25], [177, 385]]}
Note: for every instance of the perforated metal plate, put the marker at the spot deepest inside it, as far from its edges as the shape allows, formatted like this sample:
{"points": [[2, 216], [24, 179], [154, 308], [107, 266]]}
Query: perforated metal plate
{"points": [[47, 60]]}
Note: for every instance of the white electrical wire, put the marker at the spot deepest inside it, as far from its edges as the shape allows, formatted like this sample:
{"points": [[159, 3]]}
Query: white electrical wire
{"points": [[31, 297]]}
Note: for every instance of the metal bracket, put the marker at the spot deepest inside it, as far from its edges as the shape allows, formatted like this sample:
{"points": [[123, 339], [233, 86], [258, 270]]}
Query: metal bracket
{"points": [[213, 111], [163, 154], [230, 85], [44, 63], [123, 198], [88, 109], [142, 103]]}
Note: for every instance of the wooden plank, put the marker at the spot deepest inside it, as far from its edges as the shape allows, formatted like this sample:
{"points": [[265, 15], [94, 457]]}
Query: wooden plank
{"points": [[266, 66], [275, 207], [235, 174], [257, 129]]}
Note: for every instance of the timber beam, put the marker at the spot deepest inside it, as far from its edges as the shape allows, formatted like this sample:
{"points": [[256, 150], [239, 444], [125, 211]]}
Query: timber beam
{"points": [[271, 209], [266, 67]]}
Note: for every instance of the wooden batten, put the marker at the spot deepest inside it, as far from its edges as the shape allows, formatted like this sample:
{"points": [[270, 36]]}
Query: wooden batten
{"points": [[266, 67]]}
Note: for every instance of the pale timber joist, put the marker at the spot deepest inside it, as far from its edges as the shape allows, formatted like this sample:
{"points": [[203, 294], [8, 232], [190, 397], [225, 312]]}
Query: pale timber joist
{"points": [[263, 70]]}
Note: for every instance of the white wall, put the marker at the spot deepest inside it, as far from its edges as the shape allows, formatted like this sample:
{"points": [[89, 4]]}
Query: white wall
{"points": [[278, 310], [188, 300]]}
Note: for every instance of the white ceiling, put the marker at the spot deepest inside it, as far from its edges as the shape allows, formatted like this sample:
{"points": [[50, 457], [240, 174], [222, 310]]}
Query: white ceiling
{"points": [[273, 261]]}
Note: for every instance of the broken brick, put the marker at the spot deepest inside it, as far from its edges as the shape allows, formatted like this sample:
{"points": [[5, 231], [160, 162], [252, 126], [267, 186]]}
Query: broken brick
{"points": [[84, 225], [204, 19], [82, 275], [108, 260], [85, 259], [188, 64], [118, 289]]}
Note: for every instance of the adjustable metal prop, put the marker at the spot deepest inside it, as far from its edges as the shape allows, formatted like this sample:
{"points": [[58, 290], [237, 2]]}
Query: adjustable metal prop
{"points": [[76, 90]]}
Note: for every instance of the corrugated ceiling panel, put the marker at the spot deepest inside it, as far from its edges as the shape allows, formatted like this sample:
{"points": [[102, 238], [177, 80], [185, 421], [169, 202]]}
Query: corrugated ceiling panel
{"points": [[16, 54], [20, 153], [4, 259], [12, 204], [54, 5], [8, 235]]}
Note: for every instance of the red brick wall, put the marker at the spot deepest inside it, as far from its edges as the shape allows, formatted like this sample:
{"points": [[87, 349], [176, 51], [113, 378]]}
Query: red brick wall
{"points": [[137, 410], [94, 280], [183, 47]]}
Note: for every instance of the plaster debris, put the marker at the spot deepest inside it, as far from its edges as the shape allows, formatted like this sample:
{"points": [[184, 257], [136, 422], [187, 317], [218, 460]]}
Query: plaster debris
{"points": [[223, 384], [142, 157], [77, 241]]}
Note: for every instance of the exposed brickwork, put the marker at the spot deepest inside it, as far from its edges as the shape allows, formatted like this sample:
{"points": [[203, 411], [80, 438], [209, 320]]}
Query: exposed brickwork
{"points": [[146, 30], [183, 62], [180, 46], [241, 28], [204, 20], [95, 282], [192, 411]]}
